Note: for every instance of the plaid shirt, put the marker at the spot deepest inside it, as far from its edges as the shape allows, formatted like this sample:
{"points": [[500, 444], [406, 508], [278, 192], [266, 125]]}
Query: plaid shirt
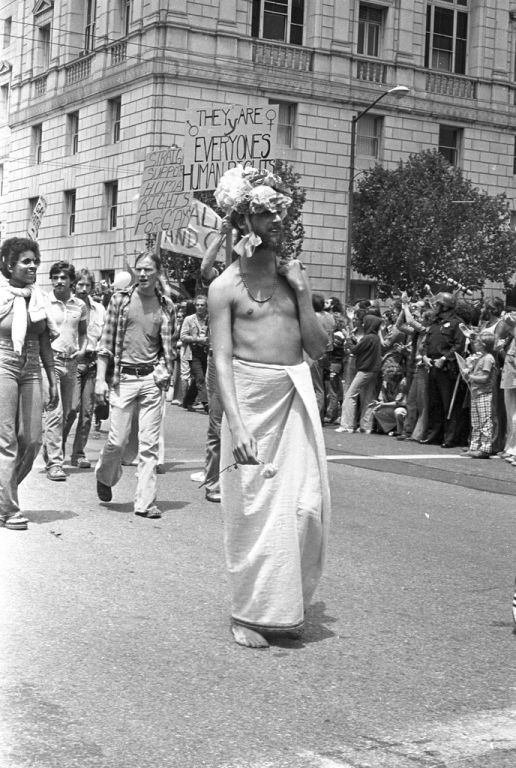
{"points": [[113, 333]]}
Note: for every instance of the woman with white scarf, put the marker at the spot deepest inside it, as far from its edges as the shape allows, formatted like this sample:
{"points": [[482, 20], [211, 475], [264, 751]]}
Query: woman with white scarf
{"points": [[25, 335]]}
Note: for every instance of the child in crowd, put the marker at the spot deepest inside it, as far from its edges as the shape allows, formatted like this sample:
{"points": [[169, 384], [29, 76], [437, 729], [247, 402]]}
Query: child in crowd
{"points": [[480, 374]]}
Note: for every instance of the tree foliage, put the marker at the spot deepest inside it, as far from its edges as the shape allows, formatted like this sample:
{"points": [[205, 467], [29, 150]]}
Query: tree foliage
{"points": [[411, 226], [293, 232]]}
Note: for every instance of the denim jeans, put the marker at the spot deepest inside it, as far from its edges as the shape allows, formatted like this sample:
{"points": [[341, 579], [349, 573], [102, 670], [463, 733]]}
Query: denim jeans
{"points": [[21, 404], [212, 463], [57, 423], [363, 386], [85, 399], [141, 394], [197, 386]]}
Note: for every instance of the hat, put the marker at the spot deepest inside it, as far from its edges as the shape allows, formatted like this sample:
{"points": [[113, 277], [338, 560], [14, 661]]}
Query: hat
{"points": [[446, 299], [247, 191]]}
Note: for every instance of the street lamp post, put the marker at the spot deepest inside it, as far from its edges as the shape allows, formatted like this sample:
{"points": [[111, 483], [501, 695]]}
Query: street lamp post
{"points": [[399, 91]]}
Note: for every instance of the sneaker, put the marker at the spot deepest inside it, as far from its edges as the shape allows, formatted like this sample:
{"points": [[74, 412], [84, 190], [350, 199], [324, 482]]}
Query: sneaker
{"points": [[198, 477], [345, 429], [213, 496], [82, 463], [104, 491], [153, 513], [57, 473], [15, 522]]}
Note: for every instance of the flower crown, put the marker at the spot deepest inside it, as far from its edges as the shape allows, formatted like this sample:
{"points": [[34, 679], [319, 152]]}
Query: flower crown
{"points": [[248, 190]]}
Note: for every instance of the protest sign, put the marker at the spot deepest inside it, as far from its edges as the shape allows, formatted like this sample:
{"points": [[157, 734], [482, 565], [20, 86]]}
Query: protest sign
{"points": [[193, 240], [35, 219], [222, 137], [163, 204]]}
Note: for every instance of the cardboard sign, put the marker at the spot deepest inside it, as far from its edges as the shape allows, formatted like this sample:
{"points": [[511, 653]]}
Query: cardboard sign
{"points": [[35, 219], [163, 204], [221, 137], [194, 239]]}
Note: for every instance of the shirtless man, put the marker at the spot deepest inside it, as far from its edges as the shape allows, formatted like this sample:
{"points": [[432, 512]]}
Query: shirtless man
{"points": [[276, 517]]}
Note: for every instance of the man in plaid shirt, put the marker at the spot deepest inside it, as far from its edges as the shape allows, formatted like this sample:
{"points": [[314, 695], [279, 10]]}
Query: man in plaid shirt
{"points": [[137, 337]]}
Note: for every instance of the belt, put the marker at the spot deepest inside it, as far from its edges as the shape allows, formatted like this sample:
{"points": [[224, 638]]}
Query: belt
{"points": [[137, 370], [62, 356]]}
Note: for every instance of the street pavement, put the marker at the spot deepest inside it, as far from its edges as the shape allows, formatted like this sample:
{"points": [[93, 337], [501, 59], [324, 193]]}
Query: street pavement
{"points": [[115, 650]]}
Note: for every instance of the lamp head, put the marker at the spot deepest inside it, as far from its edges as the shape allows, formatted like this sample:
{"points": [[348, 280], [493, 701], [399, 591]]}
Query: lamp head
{"points": [[399, 91]]}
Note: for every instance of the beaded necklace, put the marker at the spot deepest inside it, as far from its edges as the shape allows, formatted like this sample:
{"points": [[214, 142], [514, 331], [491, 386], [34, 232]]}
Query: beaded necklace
{"points": [[253, 298]]}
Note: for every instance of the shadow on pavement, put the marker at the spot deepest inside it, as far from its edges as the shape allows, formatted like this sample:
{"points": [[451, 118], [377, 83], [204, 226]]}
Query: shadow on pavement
{"points": [[39, 516], [314, 632], [163, 506]]}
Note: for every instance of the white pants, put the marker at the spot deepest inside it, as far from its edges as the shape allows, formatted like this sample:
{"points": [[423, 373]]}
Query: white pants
{"points": [[133, 393]]}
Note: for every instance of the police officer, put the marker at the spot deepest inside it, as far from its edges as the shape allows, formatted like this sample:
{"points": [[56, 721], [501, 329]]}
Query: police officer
{"points": [[443, 339]]}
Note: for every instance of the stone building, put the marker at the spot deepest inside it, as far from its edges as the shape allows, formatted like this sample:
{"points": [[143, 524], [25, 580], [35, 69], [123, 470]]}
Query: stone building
{"points": [[89, 87]]}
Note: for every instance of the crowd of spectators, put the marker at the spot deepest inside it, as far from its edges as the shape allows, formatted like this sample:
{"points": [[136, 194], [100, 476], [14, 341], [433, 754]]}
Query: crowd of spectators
{"points": [[439, 369]]}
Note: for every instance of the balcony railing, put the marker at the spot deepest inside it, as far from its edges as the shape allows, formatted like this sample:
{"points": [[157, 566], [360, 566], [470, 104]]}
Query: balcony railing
{"points": [[283, 56], [78, 70], [118, 53], [40, 86], [451, 85], [371, 71]]}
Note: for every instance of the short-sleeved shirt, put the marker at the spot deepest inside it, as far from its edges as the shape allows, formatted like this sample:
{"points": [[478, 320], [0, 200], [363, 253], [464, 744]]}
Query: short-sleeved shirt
{"points": [[67, 316], [484, 363]]}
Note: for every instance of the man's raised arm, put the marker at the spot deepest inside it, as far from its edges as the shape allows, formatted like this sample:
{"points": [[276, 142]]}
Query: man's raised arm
{"points": [[313, 336]]}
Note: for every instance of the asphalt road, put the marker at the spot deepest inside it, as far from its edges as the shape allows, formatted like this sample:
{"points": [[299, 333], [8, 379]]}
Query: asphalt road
{"points": [[115, 649]]}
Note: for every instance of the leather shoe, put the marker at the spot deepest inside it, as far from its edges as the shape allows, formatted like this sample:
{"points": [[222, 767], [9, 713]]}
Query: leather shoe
{"points": [[213, 496], [447, 445], [428, 441], [104, 491]]}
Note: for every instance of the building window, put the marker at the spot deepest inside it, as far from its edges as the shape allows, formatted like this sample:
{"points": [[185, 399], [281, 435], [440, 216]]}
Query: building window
{"points": [[449, 143], [70, 200], [112, 203], [369, 134], [126, 15], [43, 54], [37, 142], [280, 20], [1, 180], [4, 96], [89, 26], [8, 23], [72, 129], [370, 22], [114, 115], [286, 122], [446, 37], [514, 157]]}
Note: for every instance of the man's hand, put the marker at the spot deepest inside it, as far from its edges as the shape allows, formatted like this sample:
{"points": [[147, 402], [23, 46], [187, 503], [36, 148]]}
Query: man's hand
{"points": [[53, 398], [427, 361], [294, 272], [101, 392], [245, 448], [439, 363]]}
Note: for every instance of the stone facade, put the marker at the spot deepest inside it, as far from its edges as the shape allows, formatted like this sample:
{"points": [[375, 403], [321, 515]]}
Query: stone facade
{"points": [[161, 61]]}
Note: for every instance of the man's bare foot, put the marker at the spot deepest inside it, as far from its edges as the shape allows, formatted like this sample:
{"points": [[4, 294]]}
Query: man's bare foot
{"points": [[248, 637]]}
